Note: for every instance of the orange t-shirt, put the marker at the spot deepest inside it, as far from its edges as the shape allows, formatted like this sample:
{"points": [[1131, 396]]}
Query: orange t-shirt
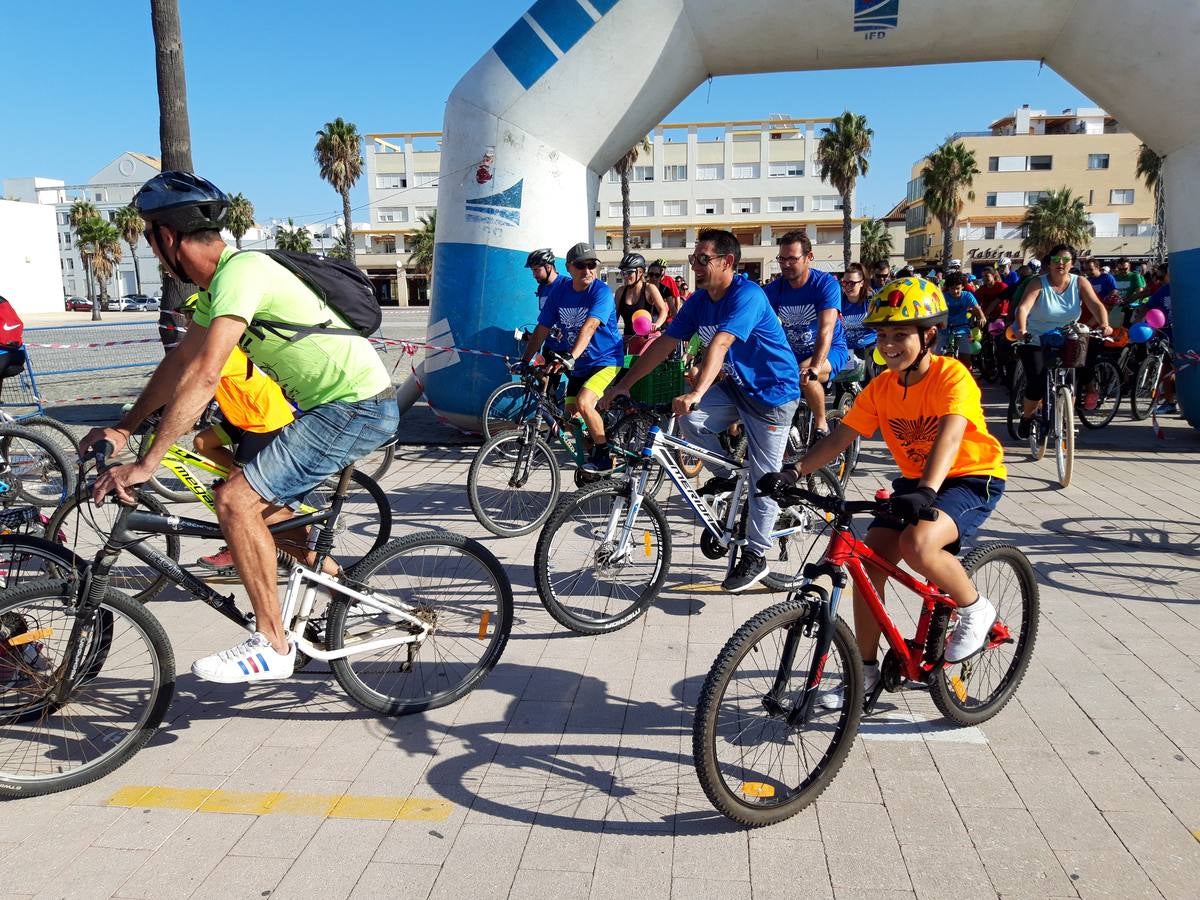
{"points": [[254, 404], [910, 425]]}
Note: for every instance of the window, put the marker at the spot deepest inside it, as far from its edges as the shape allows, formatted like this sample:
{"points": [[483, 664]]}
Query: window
{"points": [[1120, 197], [826, 203], [424, 212], [1097, 160], [425, 179], [745, 170], [709, 172], [675, 173], [614, 210], [708, 207], [989, 232], [386, 244], [829, 235], [66, 240], [641, 209], [70, 265], [1006, 198], [1033, 198], [787, 169], [915, 217], [393, 214], [389, 182], [64, 218], [1020, 163], [674, 208], [100, 197], [1040, 163], [785, 204], [642, 173], [746, 205], [674, 239], [1136, 229]]}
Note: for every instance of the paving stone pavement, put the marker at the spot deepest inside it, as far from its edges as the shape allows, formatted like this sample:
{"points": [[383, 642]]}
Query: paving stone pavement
{"points": [[569, 772]]}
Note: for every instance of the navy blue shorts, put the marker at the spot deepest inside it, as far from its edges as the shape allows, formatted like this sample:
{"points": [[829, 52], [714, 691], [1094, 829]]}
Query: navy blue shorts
{"points": [[968, 500]]}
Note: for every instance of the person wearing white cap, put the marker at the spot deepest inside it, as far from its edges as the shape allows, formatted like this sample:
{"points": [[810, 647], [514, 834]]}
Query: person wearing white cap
{"points": [[1007, 275]]}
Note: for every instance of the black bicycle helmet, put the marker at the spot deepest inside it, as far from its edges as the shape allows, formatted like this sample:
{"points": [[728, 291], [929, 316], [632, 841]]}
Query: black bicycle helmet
{"points": [[632, 261], [542, 257], [182, 201]]}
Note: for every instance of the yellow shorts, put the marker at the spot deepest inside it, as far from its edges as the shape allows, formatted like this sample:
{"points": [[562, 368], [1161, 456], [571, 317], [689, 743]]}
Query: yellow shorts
{"points": [[597, 381]]}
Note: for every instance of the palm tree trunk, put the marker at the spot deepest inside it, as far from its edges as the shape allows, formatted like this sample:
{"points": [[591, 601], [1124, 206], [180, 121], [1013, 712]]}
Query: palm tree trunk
{"points": [[947, 242], [237, 240], [87, 274], [624, 212], [346, 217], [846, 232], [1160, 223], [137, 273]]}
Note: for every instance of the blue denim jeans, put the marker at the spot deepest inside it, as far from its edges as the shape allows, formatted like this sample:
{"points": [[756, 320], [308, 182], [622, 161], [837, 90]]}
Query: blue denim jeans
{"points": [[320, 443], [766, 433]]}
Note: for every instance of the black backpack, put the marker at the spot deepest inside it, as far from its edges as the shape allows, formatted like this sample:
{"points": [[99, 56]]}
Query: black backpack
{"points": [[339, 284]]}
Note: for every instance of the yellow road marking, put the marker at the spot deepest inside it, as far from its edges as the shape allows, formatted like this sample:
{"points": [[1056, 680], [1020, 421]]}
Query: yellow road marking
{"points": [[336, 806]]}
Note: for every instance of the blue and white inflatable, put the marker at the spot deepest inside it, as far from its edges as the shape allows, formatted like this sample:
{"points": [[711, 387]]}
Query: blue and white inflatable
{"points": [[573, 84]]}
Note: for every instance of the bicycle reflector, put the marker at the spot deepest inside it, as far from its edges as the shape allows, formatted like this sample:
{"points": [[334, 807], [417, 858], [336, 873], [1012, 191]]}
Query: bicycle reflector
{"points": [[647, 543], [29, 637], [960, 688], [758, 789], [483, 623]]}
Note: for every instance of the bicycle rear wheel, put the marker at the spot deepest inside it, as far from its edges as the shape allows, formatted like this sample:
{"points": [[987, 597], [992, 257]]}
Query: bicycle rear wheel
{"points": [[788, 554], [88, 527], [451, 583], [1145, 383], [25, 558], [33, 469], [754, 767], [513, 483], [120, 688], [62, 435], [1064, 443], [581, 581], [1108, 394], [976, 689]]}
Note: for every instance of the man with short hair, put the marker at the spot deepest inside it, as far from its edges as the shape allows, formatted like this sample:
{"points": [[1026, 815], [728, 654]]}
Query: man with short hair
{"points": [[1129, 283], [808, 302], [584, 310], [343, 390], [541, 265], [745, 343], [1007, 275], [883, 275], [657, 275]]}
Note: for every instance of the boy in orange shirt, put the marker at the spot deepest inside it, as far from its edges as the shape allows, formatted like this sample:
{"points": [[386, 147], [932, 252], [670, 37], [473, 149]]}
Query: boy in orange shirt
{"points": [[929, 411]]}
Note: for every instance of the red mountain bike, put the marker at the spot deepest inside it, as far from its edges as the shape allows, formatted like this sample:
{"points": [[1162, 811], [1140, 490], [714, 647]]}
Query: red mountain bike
{"points": [[765, 746]]}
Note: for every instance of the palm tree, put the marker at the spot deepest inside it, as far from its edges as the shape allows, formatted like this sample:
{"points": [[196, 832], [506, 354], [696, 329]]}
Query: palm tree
{"points": [[340, 159], [293, 237], [841, 157], [420, 245], [131, 226], [1150, 170], [240, 217], [343, 246], [99, 245], [1059, 217], [83, 211], [949, 171], [623, 167], [174, 132], [874, 243]]}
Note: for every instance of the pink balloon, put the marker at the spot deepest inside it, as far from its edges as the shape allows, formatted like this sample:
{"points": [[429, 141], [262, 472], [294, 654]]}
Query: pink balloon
{"points": [[1155, 318], [996, 326], [642, 324]]}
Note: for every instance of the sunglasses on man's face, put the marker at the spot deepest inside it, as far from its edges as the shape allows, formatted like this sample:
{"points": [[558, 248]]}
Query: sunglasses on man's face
{"points": [[1063, 260], [588, 264]]}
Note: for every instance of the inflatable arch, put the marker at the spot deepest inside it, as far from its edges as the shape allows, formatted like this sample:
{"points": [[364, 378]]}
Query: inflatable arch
{"points": [[573, 84]]}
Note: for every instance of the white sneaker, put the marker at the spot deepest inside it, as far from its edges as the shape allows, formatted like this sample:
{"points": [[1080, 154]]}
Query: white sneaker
{"points": [[835, 699], [252, 660], [970, 633]]}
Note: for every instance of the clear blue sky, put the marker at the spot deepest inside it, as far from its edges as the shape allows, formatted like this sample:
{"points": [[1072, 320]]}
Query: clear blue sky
{"points": [[79, 88]]}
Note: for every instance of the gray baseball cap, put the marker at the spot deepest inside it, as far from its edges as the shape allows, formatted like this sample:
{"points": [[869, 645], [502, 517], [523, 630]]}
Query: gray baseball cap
{"points": [[581, 253]]}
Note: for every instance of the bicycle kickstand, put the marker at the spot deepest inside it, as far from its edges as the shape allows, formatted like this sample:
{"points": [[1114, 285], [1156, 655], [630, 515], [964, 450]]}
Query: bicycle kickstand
{"points": [[873, 698]]}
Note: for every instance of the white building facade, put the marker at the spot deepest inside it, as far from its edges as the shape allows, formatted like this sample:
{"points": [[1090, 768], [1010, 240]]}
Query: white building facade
{"points": [[29, 260]]}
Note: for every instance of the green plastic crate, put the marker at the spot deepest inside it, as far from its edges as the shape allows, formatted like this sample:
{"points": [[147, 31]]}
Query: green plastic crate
{"points": [[662, 385]]}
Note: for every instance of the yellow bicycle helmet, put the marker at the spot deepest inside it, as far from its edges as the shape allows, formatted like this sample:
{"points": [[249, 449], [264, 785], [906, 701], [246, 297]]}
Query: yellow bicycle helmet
{"points": [[912, 300]]}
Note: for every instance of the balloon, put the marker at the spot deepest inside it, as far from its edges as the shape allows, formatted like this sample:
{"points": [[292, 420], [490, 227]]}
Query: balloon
{"points": [[1010, 334], [1155, 318], [996, 326], [878, 357], [1119, 337], [642, 323], [975, 347], [1140, 333], [976, 334]]}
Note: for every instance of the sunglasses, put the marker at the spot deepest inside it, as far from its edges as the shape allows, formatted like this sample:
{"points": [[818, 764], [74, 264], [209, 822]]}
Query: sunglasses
{"points": [[588, 264], [791, 260], [702, 259], [852, 281], [1060, 259]]}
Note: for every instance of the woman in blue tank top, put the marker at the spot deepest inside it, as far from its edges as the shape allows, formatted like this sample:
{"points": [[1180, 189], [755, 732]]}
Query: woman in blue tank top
{"points": [[1052, 301]]}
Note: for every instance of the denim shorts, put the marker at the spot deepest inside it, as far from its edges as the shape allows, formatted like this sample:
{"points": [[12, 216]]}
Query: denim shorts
{"points": [[968, 501], [319, 444]]}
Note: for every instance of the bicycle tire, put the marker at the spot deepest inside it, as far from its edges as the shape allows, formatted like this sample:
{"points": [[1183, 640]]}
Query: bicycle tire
{"points": [[787, 556], [630, 434], [34, 468], [419, 565], [1015, 400], [1064, 447], [1108, 390], [36, 603], [846, 462], [581, 514], [77, 519], [26, 557], [951, 684], [501, 507], [742, 805], [378, 462], [1145, 384], [355, 540], [62, 433], [691, 466], [503, 407], [165, 483]]}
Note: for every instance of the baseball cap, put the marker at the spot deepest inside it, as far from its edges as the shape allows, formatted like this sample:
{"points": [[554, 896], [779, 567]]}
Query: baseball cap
{"points": [[581, 253], [1005, 261]]}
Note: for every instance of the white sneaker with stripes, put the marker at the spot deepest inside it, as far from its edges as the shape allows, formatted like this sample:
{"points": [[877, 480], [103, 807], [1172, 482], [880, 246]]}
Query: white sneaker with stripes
{"points": [[252, 660]]}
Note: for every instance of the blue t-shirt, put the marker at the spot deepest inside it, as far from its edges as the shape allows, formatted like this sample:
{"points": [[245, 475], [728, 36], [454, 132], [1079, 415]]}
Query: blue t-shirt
{"points": [[799, 310], [543, 294], [857, 335], [569, 309], [1104, 284], [1011, 278], [958, 307], [759, 361]]}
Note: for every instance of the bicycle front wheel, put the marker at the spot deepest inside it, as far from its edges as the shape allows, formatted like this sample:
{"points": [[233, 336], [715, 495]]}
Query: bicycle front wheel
{"points": [[754, 766], [452, 584], [33, 469], [1064, 444], [365, 523], [1145, 384], [507, 407], [583, 579], [976, 689], [117, 694], [789, 552], [513, 483], [1108, 397]]}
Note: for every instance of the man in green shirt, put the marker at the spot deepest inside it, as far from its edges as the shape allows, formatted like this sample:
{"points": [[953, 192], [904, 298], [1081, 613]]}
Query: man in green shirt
{"points": [[1129, 283], [344, 392]]}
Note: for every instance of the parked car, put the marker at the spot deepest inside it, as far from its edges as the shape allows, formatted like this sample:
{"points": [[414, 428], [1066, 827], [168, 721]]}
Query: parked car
{"points": [[79, 304], [150, 304], [134, 303]]}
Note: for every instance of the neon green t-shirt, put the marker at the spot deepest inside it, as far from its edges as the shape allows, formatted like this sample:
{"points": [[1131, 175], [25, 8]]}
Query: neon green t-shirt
{"points": [[316, 368]]}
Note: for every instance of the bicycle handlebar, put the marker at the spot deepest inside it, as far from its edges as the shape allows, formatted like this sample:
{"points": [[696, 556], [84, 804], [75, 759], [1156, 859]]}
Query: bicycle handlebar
{"points": [[789, 496], [100, 452]]}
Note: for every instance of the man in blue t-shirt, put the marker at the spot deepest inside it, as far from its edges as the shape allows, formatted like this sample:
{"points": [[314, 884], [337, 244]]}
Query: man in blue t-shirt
{"points": [[583, 309], [1007, 275], [542, 266], [760, 387], [809, 304]]}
